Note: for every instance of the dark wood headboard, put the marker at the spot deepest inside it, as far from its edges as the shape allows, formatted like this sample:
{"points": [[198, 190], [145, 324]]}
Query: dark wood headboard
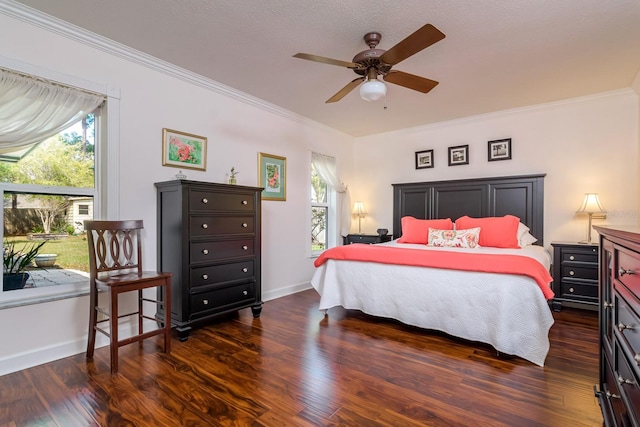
{"points": [[522, 196]]}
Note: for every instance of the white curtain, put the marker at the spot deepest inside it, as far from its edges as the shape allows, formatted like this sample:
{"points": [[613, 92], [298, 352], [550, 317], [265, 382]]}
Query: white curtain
{"points": [[326, 168], [33, 109]]}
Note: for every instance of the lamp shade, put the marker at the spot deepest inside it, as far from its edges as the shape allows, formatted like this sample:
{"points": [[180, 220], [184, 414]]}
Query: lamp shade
{"points": [[358, 209], [372, 90], [591, 204]]}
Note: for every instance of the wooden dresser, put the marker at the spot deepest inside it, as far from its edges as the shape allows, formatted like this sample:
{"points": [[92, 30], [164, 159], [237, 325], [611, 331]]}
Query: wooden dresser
{"points": [[209, 238], [619, 383]]}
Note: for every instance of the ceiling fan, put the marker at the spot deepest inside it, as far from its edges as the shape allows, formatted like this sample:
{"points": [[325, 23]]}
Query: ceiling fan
{"points": [[373, 62]]}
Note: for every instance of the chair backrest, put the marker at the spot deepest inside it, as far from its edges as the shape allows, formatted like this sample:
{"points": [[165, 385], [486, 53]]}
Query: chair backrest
{"points": [[114, 246]]}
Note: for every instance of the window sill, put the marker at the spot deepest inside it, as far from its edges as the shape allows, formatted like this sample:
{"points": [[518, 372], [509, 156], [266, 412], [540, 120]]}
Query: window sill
{"points": [[22, 297]]}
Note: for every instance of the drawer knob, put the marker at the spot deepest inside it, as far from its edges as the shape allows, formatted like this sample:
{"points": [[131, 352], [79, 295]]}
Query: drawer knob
{"points": [[244, 202], [571, 290], [205, 276], [636, 357], [245, 225], [205, 201], [571, 273], [205, 301], [612, 395], [244, 270], [622, 271], [622, 381], [205, 226], [245, 293], [572, 257], [245, 247], [205, 251], [607, 304], [622, 326]]}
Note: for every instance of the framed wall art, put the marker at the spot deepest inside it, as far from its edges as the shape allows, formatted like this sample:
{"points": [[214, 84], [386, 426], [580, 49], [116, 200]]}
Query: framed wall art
{"points": [[272, 176], [183, 150], [459, 155], [499, 149], [424, 159]]}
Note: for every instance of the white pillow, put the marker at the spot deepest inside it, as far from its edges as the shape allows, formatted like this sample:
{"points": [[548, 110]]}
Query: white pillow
{"points": [[454, 238], [524, 237]]}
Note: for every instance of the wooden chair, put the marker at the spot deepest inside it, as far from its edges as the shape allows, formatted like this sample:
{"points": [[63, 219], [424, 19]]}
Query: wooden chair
{"points": [[115, 260]]}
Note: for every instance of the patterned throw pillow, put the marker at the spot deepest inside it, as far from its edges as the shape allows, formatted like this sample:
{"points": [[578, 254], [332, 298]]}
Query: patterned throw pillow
{"points": [[454, 238]]}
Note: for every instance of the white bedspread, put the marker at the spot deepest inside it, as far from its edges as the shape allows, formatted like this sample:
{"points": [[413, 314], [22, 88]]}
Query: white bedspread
{"points": [[507, 311]]}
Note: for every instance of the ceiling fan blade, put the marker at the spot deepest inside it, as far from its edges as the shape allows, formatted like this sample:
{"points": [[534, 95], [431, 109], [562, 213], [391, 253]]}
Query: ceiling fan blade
{"points": [[410, 81], [421, 39], [345, 90], [324, 60]]}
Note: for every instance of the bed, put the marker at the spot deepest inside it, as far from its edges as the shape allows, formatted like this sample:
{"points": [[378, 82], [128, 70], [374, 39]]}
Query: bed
{"points": [[507, 309]]}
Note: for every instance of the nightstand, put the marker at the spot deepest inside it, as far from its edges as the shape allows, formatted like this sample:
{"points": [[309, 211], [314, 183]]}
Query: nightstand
{"points": [[575, 275], [365, 238]]}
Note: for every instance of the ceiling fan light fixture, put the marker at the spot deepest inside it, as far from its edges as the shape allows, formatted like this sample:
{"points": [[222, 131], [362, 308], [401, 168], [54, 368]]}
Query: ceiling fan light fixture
{"points": [[372, 90]]}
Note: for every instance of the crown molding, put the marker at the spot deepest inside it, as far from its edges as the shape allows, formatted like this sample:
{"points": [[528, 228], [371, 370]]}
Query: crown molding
{"points": [[55, 25]]}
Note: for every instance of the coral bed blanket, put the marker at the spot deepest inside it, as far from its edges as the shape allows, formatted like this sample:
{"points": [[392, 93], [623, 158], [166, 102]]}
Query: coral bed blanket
{"points": [[488, 263]]}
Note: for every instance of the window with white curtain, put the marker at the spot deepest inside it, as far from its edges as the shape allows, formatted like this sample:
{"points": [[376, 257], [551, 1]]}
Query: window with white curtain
{"points": [[328, 197], [49, 151]]}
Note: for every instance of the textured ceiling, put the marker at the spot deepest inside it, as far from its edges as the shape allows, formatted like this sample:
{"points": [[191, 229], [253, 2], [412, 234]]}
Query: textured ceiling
{"points": [[496, 54]]}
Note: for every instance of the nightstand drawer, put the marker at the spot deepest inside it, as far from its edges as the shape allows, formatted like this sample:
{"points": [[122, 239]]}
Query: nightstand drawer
{"points": [[369, 239], [580, 256], [580, 272], [579, 291]]}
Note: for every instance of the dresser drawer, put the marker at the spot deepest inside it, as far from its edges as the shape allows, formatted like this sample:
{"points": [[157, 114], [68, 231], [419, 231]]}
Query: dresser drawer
{"points": [[223, 298], [223, 273], [627, 324], [628, 269], [612, 394], [200, 226], [628, 383], [580, 272], [218, 202], [220, 249]]}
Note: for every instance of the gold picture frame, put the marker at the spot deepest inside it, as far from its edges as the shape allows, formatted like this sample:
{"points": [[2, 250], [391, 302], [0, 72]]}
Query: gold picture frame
{"points": [[272, 176], [183, 150]]}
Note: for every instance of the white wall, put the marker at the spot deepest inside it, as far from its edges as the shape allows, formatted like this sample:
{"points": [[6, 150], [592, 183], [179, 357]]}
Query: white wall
{"points": [[587, 144], [237, 130]]}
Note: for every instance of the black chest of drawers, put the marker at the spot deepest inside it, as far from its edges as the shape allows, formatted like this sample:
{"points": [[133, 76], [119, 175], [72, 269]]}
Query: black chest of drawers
{"points": [[575, 275], [209, 238]]}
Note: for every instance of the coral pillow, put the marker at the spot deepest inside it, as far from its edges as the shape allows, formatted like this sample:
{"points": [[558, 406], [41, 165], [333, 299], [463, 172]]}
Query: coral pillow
{"points": [[454, 238], [497, 232], [417, 230]]}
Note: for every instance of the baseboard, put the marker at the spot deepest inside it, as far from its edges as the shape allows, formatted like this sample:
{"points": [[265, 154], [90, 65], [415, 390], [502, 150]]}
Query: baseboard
{"points": [[283, 292], [29, 359]]}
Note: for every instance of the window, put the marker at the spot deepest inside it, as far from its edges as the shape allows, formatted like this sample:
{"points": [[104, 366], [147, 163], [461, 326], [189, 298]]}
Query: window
{"points": [[319, 212], [324, 197], [48, 192]]}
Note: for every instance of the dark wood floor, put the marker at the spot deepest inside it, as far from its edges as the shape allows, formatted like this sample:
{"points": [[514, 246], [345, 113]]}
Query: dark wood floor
{"points": [[293, 367]]}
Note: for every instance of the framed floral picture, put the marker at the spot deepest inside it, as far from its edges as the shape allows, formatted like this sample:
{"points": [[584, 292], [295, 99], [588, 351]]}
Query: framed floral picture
{"points": [[183, 150], [272, 176]]}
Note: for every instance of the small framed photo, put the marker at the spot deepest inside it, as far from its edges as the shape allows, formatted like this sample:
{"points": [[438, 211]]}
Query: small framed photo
{"points": [[459, 155], [272, 176], [424, 159], [183, 150], [499, 149]]}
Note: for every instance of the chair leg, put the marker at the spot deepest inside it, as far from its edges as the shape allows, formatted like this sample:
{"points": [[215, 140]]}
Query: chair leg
{"points": [[167, 316], [93, 318], [140, 314], [113, 331]]}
